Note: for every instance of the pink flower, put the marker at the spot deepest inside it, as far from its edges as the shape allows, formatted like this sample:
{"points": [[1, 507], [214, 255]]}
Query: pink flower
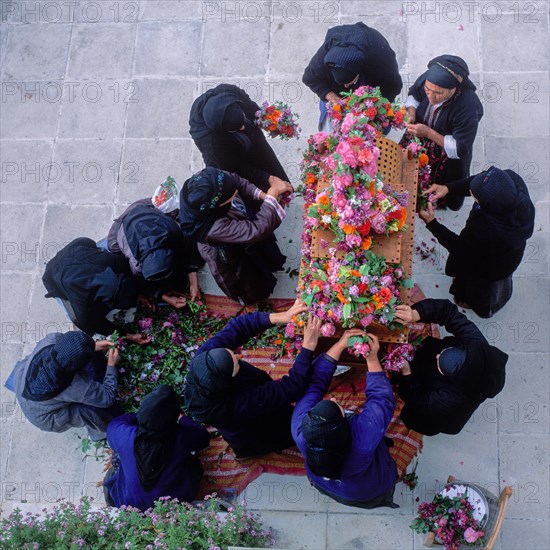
{"points": [[367, 320], [347, 154], [353, 240], [289, 330], [471, 535], [328, 330], [378, 223]]}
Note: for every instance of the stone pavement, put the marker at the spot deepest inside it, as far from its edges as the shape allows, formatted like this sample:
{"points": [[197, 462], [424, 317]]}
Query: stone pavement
{"points": [[94, 109]]}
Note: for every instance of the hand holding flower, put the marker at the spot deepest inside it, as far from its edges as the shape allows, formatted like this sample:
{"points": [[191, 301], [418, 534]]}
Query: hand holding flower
{"points": [[436, 192], [428, 214], [312, 332], [103, 345], [406, 314], [285, 317]]}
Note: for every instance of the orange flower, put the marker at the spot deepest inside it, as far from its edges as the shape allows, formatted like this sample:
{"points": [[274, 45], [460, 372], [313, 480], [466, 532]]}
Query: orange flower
{"points": [[423, 159], [402, 218], [323, 199], [390, 112], [330, 313], [342, 298], [366, 243], [385, 294], [348, 229], [355, 273], [310, 178]]}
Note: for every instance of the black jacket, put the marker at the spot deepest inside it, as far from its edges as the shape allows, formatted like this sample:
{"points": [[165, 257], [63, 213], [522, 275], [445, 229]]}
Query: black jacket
{"points": [[363, 51], [483, 249], [223, 150], [443, 404], [458, 117], [93, 281], [153, 243]]}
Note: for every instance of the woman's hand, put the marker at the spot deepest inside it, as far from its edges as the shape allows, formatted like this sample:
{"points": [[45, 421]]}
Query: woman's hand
{"points": [[332, 97], [406, 314], [194, 288], [374, 347], [337, 349], [406, 369], [411, 111], [436, 192], [140, 339], [146, 303], [419, 130], [175, 299], [113, 358], [103, 345], [277, 187], [428, 214], [285, 317], [312, 331]]}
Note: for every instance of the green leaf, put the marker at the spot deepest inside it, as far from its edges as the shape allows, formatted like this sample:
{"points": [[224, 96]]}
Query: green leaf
{"points": [[407, 283], [346, 312]]}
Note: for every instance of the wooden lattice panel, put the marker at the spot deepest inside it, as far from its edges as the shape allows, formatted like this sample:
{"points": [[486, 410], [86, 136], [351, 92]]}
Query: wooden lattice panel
{"points": [[401, 172]]}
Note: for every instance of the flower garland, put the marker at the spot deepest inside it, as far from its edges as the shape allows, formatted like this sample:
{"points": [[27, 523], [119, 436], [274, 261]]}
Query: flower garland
{"points": [[424, 171], [278, 120]]}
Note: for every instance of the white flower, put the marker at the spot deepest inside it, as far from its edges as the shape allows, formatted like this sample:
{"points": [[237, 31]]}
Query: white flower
{"points": [[326, 219]]}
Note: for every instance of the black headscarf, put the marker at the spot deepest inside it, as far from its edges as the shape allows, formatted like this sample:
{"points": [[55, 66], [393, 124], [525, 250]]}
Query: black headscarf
{"points": [[233, 117], [209, 381], [200, 198], [328, 439], [505, 203], [451, 360], [156, 434], [449, 71], [53, 368]]}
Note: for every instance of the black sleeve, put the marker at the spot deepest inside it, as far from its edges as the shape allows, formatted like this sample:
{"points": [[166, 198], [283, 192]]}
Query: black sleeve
{"points": [[90, 318], [445, 313], [447, 238], [317, 77], [464, 123], [460, 188]]}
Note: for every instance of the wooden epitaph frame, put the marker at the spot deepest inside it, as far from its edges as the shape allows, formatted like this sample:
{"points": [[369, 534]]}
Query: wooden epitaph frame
{"points": [[400, 171]]}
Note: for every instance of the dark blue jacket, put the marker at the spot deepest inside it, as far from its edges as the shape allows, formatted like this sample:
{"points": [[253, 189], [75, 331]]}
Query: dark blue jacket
{"points": [[181, 477], [254, 418], [363, 51], [435, 403], [369, 471]]}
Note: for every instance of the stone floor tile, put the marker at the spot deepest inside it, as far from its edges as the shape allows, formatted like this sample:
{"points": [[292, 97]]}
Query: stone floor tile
{"points": [[101, 51], [94, 109], [147, 163], [161, 51], [524, 466], [84, 171], [14, 306], [36, 52], [368, 530], [391, 26], [283, 39], [225, 42], [522, 406], [464, 40], [522, 325], [65, 223], [20, 242], [51, 467], [114, 11], [176, 10], [364, 9], [284, 493], [29, 109], [526, 156], [25, 170], [161, 109], [298, 530], [511, 99], [526, 42], [525, 534]]}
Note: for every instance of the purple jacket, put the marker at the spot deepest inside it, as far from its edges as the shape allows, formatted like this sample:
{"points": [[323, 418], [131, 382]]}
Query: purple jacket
{"points": [[369, 471], [180, 479]]}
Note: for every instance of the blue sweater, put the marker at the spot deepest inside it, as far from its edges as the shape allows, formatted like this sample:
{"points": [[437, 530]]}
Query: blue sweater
{"points": [[255, 417], [369, 471], [180, 479]]}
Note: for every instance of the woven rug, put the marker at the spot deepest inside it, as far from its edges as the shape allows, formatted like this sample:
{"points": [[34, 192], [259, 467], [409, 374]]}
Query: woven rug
{"points": [[225, 475]]}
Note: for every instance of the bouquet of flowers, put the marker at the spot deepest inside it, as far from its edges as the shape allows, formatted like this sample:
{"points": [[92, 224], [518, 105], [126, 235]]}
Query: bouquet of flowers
{"points": [[366, 107], [278, 120], [396, 356], [450, 519], [355, 290], [424, 170]]}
